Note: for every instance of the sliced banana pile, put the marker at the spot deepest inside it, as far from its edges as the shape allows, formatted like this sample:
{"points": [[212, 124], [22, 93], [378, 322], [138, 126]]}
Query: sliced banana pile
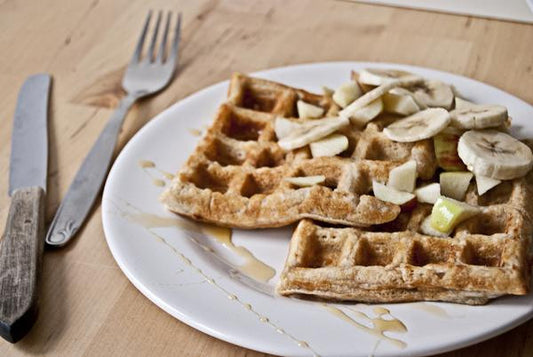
{"points": [[471, 143]]}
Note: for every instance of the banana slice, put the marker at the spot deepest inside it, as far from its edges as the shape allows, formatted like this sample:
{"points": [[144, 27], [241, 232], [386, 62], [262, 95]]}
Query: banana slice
{"points": [[433, 93], [494, 154], [400, 101], [311, 131], [419, 126], [478, 116], [376, 93], [306, 110], [377, 77]]}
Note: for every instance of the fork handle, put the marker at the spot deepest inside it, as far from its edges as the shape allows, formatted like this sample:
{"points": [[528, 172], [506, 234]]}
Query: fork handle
{"points": [[88, 180]]}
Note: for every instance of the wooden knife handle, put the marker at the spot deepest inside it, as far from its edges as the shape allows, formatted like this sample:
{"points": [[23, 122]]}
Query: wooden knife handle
{"points": [[21, 253]]}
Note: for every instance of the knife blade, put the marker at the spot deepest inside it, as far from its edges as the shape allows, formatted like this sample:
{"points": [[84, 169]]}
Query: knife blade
{"points": [[23, 241]]}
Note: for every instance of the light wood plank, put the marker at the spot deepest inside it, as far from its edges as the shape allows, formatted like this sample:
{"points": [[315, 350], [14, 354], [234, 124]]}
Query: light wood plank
{"points": [[86, 46]]}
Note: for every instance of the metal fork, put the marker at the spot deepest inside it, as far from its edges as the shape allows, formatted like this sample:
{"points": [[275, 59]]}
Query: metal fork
{"points": [[143, 77]]}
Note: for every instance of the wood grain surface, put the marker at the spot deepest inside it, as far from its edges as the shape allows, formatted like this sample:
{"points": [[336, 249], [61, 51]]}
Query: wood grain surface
{"points": [[88, 307]]}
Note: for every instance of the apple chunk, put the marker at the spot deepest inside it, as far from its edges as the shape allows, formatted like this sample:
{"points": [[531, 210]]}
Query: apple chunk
{"points": [[346, 93], [306, 110], [455, 184], [445, 144], [447, 213], [403, 177], [284, 127], [428, 194], [389, 194], [427, 229], [400, 101], [329, 146], [367, 113]]}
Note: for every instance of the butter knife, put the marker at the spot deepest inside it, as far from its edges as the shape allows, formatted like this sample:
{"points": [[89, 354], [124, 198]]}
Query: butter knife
{"points": [[21, 248]]}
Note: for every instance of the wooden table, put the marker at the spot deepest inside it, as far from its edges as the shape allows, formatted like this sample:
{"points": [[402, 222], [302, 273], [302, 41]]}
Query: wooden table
{"points": [[88, 307]]}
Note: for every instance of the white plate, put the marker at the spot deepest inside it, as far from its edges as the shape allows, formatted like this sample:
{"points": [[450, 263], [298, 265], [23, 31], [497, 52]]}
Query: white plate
{"points": [[209, 296]]}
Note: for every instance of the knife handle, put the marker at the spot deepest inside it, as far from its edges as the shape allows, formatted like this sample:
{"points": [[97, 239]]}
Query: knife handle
{"points": [[21, 253], [88, 181]]}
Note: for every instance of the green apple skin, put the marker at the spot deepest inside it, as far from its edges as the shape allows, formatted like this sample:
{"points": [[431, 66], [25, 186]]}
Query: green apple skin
{"points": [[444, 215], [447, 213]]}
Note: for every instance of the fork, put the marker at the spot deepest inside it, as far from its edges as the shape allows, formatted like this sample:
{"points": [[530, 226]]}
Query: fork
{"points": [[143, 77]]}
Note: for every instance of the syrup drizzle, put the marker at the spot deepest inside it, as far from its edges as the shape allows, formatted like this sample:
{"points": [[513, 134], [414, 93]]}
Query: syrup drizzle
{"points": [[195, 132], [379, 325], [259, 270], [252, 267], [148, 166], [148, 222], [431, 308]]}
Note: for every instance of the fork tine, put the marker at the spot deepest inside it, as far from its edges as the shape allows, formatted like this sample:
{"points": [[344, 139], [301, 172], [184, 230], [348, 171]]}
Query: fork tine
{"points": [[163, 44], [176, 41], [138, 50], [151, 55]]}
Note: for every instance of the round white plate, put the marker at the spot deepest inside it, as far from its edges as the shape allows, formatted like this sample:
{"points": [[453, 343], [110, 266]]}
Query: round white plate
{"points": [[190, 275]]}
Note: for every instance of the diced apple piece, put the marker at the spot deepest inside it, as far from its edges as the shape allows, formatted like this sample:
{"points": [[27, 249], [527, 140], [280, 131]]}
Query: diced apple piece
{"points": [[447, 213], [400, 101], [284, 127], [445, 144], [389, 194], [305, 181], [427, 229], [485, 183], [403, 177], [347, 93], [367, 113], [455, 184], [429, 193], [306, 110], [329, 146]]}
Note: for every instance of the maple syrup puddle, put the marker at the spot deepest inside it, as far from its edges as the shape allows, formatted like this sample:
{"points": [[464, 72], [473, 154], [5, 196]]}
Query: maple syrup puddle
{"points": [[149, 166], [379, 325], [252, 267]]}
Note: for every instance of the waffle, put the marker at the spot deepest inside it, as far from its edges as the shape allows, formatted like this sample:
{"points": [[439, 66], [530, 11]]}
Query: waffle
{"points": [[486, 256], [235, 176]]}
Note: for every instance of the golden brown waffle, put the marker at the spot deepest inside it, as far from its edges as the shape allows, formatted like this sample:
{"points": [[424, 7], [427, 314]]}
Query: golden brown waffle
{"points": [[235, 177], [486, 256]]}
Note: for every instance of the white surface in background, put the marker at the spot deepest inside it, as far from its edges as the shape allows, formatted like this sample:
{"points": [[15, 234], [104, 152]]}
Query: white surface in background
{"points": [[514, 10]]}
